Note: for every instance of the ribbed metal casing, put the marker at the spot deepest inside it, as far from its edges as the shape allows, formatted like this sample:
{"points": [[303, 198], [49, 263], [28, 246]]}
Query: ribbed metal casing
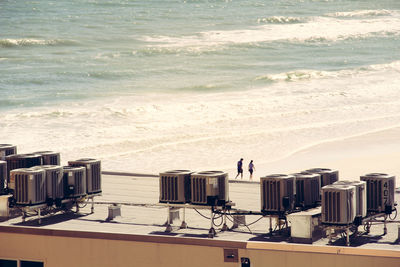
{"points": [[18, 161], [3, 175], [54, 181], [29, 186], [6, 150], [307, 189], [276, 189], [206, 187], [49, 157], [175, 186], [223, 186], [93, 173], [380, 191], [328, 176], [74, 181], [338, 204], [360, 195]]}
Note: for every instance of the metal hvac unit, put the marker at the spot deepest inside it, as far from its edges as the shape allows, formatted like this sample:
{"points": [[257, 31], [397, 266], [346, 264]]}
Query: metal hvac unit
{"points": [[307, 189], [93, 173], [338, 204], [223, 186], [380, 192], [328, 176], [49, 157], [19, 161], [6, 150], [361, 195], [175, 186], [205, 188], [74, 181], [29, 186], [277, 194], [54, 183], [3, 175]]}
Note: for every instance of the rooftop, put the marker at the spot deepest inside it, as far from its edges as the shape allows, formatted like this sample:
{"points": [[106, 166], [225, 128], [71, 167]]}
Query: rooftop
{"points": [[141, 214]]}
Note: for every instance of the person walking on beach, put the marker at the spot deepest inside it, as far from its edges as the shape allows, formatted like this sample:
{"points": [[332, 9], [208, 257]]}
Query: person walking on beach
{"points": [[251, 169], [240, 168]]}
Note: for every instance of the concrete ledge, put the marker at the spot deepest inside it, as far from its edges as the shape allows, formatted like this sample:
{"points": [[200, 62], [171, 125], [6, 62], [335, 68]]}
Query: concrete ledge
{"points": [[148, 175], [130, 174], [123, 237]]}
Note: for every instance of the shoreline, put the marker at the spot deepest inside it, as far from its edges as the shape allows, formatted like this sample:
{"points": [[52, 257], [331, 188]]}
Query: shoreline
{"points": [[354, 156]]}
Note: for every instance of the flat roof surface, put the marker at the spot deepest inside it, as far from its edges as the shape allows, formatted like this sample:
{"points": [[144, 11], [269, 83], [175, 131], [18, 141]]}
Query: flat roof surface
{"points": [[141, 215]]}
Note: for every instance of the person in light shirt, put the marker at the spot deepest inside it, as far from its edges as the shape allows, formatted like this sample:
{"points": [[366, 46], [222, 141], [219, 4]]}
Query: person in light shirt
{"points": [[251, 169]]}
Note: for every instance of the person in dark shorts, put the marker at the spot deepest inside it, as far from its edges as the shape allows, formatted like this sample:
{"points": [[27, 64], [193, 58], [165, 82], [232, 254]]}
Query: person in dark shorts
{"points": [[251, 169], [240, 168]]}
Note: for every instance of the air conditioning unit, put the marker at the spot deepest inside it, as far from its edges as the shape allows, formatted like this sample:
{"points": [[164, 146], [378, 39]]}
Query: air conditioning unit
{"points": [[338, 204], [380, 192], [49, 157], [223, 186], [307, 189], [93, 173], [175, 186], [54, 183], [19, 161], [328, 176], [3, 175], [74, 181], [361, 195], [6, 150], [277, 194], [29, 186], [205, 188]]}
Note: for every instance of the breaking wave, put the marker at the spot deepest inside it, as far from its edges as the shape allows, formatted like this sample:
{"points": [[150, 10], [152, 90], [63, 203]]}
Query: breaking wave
{"points": [[8, 43], [298, 75], [280, 20], [361, 13]]}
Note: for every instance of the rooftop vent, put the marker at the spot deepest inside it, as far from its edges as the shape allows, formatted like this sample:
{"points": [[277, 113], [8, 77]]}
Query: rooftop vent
{"points": [[338, 204], [380, 192], [175, 186], [277, 194], [29, 186], [360, 195], [6, 150], [93, 173]]}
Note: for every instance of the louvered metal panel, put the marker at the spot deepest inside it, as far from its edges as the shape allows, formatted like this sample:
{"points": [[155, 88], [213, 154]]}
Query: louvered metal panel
{"points": [[54, 182], [7, 150], [277, 193], [93, 173], [360, 195], [49, 157], [175, 186], [205, 187], [74, 181], [3, 175], [380, 191], [307, 189], [328, 176], [338, 204], [29, 186], [18, 161]]}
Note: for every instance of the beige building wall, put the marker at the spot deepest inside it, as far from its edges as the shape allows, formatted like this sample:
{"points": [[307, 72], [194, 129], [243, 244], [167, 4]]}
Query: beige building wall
{"points": [[57, 248]]}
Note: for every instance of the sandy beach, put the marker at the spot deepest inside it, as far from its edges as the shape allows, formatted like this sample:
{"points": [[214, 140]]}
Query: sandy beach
{"points": [[355, 156]]}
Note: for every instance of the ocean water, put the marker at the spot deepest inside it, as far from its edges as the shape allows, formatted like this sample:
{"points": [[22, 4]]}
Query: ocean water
{"points": [[149, 85]]}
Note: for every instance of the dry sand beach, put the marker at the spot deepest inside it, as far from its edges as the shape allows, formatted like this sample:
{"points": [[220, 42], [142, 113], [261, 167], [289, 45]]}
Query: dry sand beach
{"points": [[353, 157]]}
